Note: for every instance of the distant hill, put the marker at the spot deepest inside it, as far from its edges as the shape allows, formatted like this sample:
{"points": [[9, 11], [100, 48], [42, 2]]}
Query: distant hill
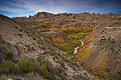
{"points": [[71, 19]]}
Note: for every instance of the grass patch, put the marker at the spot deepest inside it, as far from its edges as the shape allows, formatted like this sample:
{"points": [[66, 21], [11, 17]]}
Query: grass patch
{"points": [[8, 67], [78, 77], [30, 48], [20, 34], [2, 77], [6, 53], [26, 65], [29, 75]]}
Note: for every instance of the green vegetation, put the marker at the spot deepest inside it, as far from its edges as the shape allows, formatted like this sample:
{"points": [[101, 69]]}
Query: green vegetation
{"points": [[69, 39], [60, 73], [29, 75], [6, 53], [76, 31], [15, 45], [72, 31], [105, 40], [1, 39], [78, 77], [72, 39], [42, 66], [45, 26], [30, 48], [30, 32], [20, 30], [20, 34], [2, 77], [15, 27], [26, 65], [49, 51], [111, 39], [8, 67]]}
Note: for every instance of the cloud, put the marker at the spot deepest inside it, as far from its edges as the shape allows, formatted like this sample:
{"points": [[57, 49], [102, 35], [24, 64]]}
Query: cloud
{"points": [[15, 10], [107, 7], [60, 6], [39, 5]]}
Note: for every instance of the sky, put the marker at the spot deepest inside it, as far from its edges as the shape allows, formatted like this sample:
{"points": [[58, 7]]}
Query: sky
{"points": [[17, 8]]}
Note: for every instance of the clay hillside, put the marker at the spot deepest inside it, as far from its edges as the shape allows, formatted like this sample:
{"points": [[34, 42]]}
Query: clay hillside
{"points": [[71, 19], [63, 46]]}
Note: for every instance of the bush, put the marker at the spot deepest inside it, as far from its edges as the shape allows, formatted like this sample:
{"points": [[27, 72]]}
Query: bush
{"points": [[78, 77], [20, 30], [15, 45], [29, 75], [30, 48], [2, 77], [1, 39], [26, 65], [42, 68], [16, 27], [6, 54], [60, 72], [8, 67], [20, 34], [44, 72], [111, 39], [33, 49], [49, 52]]}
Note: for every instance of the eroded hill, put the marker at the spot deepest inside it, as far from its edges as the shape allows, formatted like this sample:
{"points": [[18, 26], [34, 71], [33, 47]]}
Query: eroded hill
{"points": [[70, 19], [51, 40], [25, 53], [101, 54]]}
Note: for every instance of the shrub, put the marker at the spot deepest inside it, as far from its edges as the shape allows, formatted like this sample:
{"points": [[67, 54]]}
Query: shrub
{"points": [[30, 48], [29, 75], [44, 72], [20, 34], [78, 77], [49, 52], [111, 39], [8, 67], [16, 27], [15, 45], [60, 73], [63, 76], [1, 39], [6, 54], [20, 30], [42, 65], [2, 77], [26, 65], [33, 49]]}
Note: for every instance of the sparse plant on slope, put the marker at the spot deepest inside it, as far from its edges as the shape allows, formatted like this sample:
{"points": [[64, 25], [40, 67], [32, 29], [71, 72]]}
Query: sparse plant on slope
{"points": [[20, 34], [2, 77], [42, 69], [26, 65], [8, 67], [29, 75], [7, 54], [30, 48], [78, 77]]}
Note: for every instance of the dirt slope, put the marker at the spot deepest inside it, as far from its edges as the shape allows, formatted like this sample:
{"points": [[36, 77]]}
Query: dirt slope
{"points": [[102, 54]]}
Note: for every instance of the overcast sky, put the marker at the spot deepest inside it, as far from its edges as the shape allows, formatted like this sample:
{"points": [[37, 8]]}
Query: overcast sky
{"points": [[14, 8]]}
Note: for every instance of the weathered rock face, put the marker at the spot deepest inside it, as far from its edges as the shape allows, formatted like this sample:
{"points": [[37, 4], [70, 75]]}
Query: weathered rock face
{"points": [[72, 19], [102, 54]]}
